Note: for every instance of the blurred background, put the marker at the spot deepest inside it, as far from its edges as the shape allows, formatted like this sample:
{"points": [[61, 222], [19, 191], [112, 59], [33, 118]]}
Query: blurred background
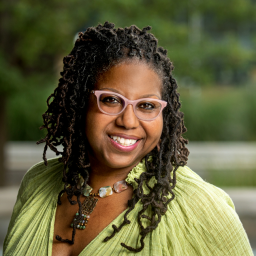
{"points": [[212, 45]]}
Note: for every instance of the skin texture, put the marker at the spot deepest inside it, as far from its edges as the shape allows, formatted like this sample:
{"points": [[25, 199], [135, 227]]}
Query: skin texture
{"points": [[134, 81]]}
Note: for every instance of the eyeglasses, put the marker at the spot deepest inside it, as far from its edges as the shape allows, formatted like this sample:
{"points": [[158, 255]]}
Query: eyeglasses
{"points": [[112, 103]]}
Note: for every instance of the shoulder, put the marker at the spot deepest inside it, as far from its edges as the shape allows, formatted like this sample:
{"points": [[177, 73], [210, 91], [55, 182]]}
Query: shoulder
{"points": [[40, 168], [205, 204], [35, 202], [39, 177], [206, 217], [192, 187]]}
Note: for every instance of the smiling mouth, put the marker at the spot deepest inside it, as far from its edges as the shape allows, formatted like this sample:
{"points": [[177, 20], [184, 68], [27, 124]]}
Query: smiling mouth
{"points": [[123, 141]]}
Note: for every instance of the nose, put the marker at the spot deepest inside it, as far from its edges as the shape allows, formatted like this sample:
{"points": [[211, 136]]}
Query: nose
{"points": [[127, 118]]}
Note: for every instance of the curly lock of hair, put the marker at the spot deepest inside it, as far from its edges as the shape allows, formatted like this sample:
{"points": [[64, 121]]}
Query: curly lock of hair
{"points": [[95, 51]]}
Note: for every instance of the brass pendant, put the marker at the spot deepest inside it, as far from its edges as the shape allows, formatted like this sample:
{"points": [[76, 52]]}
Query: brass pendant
{"points": [[89, 204], [87, 208], [90, 201]]}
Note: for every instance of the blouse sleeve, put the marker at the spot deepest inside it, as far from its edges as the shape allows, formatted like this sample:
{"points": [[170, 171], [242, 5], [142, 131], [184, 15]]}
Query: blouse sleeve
{"points": [[33, 201], [208, 222], [20, 201]]}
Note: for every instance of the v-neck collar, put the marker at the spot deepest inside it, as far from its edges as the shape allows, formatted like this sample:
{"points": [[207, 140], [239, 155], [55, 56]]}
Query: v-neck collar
{"points": [[134, 173]]}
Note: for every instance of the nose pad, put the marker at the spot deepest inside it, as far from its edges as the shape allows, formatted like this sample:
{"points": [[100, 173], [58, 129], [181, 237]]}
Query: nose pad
{"points": [[127, 118]]}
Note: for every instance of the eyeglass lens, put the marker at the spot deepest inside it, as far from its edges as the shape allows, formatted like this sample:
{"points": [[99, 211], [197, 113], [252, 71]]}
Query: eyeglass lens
{"points": [[145, 109]]}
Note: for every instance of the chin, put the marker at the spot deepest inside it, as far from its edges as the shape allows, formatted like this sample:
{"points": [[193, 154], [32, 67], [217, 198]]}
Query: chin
{"points": [[122, 162]]}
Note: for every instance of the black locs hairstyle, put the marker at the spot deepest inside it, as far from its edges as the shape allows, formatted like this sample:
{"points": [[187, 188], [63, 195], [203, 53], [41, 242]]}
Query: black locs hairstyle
{"points": [[95, 51]]}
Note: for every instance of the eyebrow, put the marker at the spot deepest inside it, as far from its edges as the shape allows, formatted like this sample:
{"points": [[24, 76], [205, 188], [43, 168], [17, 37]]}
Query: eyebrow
{"points": [[143, 96]]}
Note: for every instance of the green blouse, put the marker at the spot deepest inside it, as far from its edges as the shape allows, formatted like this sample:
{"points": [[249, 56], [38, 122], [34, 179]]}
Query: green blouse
{"points": [[201, 220]]}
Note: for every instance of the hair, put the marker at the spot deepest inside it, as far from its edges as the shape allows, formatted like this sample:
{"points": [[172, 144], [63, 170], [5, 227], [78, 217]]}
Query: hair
{"points": [[95, 51]]}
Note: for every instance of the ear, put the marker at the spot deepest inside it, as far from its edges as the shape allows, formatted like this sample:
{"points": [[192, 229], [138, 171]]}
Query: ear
{"points": [[158, 145]]}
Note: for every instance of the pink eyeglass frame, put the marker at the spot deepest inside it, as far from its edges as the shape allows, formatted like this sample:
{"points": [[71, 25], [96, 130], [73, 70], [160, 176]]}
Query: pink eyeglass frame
{"points": [[127, 102]]}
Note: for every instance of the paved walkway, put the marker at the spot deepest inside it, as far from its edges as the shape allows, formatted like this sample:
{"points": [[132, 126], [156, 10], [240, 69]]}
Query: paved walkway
{"points": [[7, 200], [203, 155]]}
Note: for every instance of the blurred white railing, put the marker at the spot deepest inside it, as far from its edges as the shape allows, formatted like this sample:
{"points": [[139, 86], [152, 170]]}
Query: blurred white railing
{"points": [[20, 156], [203, 155], [222, 155]]}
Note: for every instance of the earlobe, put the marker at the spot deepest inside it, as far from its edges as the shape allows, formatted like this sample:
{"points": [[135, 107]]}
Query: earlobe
{"points": [[158, 145]]}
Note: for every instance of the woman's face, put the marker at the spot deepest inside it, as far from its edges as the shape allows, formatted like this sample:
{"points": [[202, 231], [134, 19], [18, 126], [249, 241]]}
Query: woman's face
{"points": [[134, 81]]}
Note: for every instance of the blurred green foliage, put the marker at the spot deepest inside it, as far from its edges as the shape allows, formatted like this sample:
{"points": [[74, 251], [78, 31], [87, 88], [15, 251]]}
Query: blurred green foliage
{"points": [[210, 42], [25, 109], [211, 114], [234, 178], [220, 113]]}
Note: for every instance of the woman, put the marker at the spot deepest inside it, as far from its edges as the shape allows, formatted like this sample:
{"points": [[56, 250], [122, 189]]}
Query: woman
{"points": [[116, 113]]}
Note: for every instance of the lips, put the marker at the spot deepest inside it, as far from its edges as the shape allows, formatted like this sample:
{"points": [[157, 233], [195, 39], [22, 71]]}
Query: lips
{"points": [[124, 143]]}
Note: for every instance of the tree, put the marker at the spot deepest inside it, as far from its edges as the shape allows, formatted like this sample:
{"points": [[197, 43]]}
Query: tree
{"points": [[208, 41]]}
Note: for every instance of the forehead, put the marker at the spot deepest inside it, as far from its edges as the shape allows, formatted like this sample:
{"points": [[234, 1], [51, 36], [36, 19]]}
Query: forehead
{"points": [[133, 80]]}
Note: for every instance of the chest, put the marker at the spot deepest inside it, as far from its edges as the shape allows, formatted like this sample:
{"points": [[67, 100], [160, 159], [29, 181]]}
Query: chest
{"points": [[106, 210]]}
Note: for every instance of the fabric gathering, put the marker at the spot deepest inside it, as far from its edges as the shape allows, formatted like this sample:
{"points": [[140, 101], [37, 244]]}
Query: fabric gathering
{"points": [[187, 228]]}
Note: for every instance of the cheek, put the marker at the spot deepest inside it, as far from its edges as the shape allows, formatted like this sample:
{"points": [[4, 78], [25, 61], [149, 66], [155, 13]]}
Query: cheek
{"points": [[96, 125], [159, 128], [91, 127], [154, 129], [91, 117]]}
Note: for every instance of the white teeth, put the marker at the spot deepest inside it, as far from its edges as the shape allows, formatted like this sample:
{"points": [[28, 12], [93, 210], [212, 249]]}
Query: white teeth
{"points": [[123, 141]]}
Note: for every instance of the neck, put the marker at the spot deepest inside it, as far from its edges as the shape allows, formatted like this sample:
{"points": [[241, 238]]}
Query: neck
{"points": [[101, 176]]}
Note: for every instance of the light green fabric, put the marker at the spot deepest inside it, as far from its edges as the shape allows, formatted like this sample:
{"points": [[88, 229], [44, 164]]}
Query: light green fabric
{"points": [[201, 220]]}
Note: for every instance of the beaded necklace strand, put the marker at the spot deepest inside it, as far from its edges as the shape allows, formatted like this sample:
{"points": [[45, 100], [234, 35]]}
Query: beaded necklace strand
{"points": [[90, 201]]}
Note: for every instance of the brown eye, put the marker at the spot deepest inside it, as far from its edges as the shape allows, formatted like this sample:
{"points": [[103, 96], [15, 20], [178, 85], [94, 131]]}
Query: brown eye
{"points": [[110, 100], [147, 106]]}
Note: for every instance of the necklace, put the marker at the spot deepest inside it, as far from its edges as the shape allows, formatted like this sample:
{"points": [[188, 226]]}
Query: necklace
{"points": [[90, 201]]}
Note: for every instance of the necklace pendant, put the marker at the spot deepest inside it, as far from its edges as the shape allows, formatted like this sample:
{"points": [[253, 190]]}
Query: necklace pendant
{"points": [[87, 208], [80, 182], [105, 191], [120, 186], [87, 190], [90, 201], [89, 205]]}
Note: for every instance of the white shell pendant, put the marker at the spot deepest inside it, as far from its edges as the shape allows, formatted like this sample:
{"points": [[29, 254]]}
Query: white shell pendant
{"points": [[105, 191]]}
